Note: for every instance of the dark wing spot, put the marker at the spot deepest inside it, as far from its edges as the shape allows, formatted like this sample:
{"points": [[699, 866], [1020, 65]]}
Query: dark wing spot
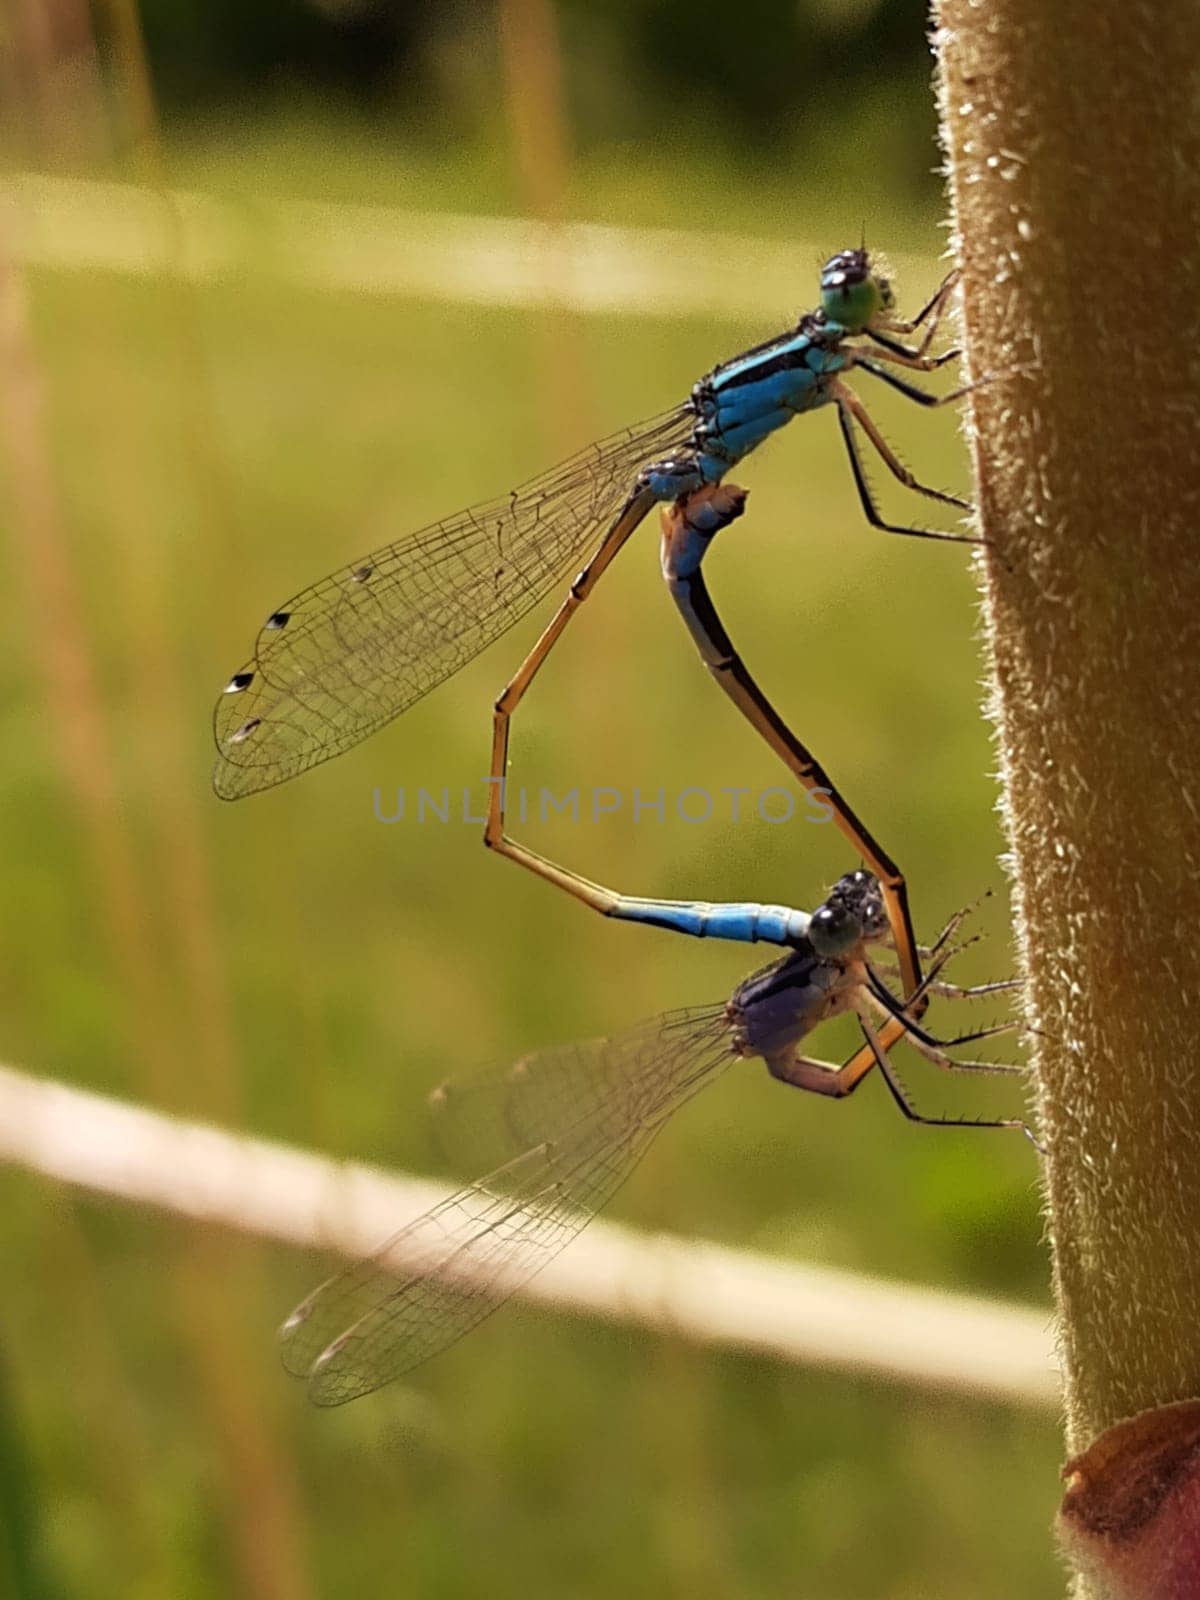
{"points": [[244, 732], [239, 681], [361, 574], [277, 620]]}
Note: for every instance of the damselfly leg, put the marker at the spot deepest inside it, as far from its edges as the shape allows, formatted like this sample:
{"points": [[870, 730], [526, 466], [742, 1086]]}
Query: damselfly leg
{"points": [[930, 315], [878, 1048], [851, 410]]}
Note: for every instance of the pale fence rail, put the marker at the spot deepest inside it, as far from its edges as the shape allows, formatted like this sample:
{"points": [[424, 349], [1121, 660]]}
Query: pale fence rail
{"points": [[584, 267], [705, 1293]]}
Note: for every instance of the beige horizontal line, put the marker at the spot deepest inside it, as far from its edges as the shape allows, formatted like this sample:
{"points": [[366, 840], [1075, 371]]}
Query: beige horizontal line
{"points": [[584, 267], [715, 1296]]}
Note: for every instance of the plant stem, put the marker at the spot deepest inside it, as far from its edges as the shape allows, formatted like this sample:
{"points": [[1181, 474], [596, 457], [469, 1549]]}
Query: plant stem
{"points": [[1073, 146]]}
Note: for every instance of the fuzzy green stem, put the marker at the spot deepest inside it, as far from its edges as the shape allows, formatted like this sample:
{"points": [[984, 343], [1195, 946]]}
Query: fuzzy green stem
{"points": [[1073, 144]]}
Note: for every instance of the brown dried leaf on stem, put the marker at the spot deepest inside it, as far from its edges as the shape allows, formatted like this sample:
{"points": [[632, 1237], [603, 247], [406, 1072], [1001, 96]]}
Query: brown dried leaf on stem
{"points": [[1131, 1513]]}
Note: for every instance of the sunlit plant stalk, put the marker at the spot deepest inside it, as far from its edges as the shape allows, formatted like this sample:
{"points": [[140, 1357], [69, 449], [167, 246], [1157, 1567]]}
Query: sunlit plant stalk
{"points": [[1073, 152]]}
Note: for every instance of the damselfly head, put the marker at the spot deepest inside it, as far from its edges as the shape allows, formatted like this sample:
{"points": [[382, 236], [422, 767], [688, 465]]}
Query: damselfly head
{"points": [[852, 292], [852, 914]]}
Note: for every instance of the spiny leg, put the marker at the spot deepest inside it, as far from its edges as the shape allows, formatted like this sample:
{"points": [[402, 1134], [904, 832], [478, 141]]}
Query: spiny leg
{"points": [[941, 953], [955, 991], [977, 991], [921, 397], [933, 984], [940, 1057], [899, 355], [953, 923], [929, 1044], [688, 529], [933, 309], [821, 1077], [847, 398], [850, 409], [948, 1063], [885, 349], [913, 391], [879, 1049]]}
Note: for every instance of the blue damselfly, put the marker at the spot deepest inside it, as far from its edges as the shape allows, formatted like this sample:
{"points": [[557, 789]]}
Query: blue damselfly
{"points": [[346, 655], [580, 1117]]}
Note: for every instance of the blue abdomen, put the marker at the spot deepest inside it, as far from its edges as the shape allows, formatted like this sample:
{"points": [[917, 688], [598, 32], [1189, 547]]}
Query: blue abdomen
{"points": [[746, 922]]}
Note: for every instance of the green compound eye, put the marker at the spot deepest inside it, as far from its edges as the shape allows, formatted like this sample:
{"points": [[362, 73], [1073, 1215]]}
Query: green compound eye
{"points": [[853, 914], [833, 930], [851, 294]]}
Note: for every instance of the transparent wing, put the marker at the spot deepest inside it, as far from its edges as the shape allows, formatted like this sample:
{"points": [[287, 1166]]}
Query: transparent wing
{"points": [[483, 1119], [349, 653], [442, 1274]]}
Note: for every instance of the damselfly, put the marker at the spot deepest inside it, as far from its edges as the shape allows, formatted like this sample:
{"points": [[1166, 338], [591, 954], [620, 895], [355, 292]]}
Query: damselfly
{"points": [[345, 656], [582, 1116]]}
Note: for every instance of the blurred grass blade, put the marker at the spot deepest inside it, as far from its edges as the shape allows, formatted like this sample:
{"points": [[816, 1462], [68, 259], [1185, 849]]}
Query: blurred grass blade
{"points": [[22, 1573]]}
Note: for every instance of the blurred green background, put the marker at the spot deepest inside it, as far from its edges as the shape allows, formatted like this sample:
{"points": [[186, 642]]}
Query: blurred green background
{"points": [[291, 967]]}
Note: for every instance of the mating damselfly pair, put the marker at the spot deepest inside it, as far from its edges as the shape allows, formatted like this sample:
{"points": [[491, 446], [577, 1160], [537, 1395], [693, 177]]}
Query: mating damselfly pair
{"points": [[348, 654]]}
